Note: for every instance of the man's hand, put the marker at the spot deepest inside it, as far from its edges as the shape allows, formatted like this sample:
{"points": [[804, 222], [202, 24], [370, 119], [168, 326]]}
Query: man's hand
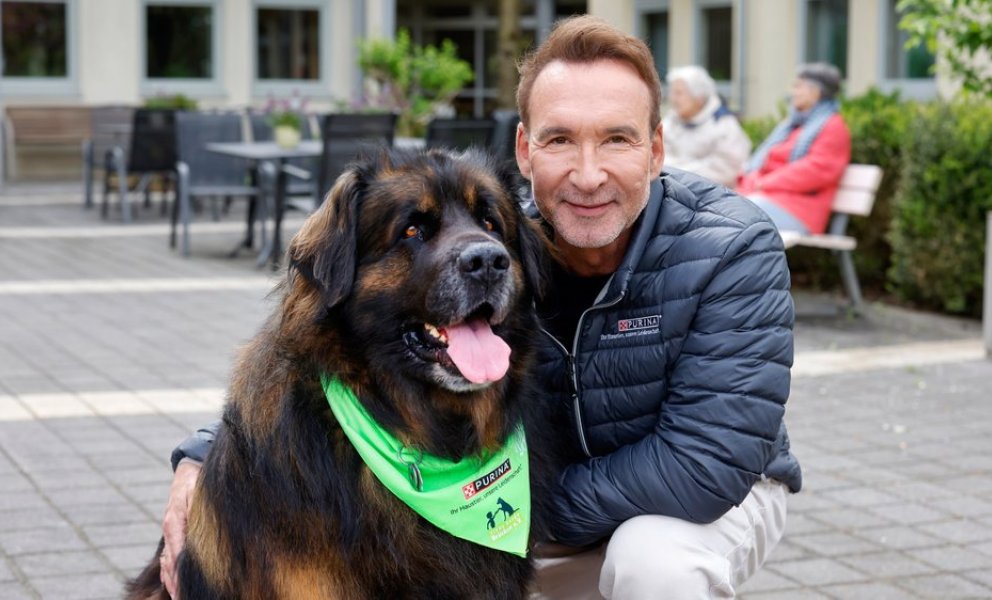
{"points": [[174, 522]]}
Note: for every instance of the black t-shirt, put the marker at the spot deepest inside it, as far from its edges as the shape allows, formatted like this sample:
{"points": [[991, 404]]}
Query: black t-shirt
{"points": [[569, 295]]}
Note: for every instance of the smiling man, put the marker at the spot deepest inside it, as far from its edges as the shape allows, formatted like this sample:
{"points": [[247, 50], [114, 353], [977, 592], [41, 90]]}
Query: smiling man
{"points": [[670, 338]]}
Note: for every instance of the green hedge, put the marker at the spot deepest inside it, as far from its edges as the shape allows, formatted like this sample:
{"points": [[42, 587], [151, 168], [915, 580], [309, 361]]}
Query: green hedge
{"points": [[937, 169], [938, 220]]}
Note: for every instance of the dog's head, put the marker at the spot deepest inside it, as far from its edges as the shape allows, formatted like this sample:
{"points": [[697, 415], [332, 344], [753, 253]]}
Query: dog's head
{"points": [[424, 264]]}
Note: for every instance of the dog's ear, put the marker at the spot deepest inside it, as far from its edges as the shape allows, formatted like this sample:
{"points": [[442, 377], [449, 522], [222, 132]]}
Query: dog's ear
{"points": [[535, 250], [325, 250]]}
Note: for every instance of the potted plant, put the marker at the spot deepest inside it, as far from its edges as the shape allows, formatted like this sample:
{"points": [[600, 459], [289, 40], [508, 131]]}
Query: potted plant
{"points": [[286, 118]]}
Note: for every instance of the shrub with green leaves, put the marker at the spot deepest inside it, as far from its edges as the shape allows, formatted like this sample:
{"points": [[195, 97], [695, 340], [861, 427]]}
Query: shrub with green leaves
{"points": [[938, 217], [412, 80]]}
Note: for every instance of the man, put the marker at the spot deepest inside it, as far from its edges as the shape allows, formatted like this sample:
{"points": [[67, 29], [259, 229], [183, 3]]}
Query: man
{"points": [[668, 341]]}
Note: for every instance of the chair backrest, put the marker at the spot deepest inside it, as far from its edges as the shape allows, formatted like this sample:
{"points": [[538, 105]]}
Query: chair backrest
{"points": [[856, 192], [194, 131], [344, 136], [110, 126], [153, 141], [504, 139], [458, 133]]}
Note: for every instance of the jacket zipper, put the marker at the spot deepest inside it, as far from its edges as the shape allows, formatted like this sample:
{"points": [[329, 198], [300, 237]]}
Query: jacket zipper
{"points": [[573, 375]]}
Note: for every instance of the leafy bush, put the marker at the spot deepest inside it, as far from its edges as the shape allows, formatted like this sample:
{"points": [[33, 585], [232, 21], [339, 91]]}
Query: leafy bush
{"points": [[174, 101], [415, 81], [938, 217]]}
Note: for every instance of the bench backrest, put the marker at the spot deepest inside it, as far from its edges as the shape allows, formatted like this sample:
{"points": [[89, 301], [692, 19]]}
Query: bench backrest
{"points": [[856, 193], [49, 124]]}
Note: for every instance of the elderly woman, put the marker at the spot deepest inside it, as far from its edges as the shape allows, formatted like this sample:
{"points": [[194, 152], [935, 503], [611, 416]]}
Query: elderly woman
{"points": [[794, 173], [701, 134]]}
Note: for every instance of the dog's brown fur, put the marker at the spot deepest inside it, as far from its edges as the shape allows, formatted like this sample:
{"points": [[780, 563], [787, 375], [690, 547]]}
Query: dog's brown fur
{"points": [[285, 508]]}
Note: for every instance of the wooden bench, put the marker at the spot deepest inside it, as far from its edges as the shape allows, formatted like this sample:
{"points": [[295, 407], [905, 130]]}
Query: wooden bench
{"points": [[44, 142], [855, 196]]}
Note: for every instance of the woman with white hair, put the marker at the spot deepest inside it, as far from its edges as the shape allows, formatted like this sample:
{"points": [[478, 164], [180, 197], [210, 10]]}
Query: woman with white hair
{"points": [[701, 134]]}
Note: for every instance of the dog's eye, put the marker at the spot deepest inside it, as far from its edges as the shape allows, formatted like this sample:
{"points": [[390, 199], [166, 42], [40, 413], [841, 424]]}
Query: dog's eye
{"points": [[411, 231], [489, 224]]}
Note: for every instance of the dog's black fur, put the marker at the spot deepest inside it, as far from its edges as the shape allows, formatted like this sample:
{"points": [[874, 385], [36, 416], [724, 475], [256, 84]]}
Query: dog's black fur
{"points": [[285, 507]]}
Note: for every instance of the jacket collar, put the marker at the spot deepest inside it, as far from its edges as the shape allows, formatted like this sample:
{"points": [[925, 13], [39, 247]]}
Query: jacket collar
{"points": [[643, 230]]}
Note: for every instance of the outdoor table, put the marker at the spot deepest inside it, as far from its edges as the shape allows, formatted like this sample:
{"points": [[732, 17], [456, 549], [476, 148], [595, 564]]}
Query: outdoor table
{"points": [[271, 152]]}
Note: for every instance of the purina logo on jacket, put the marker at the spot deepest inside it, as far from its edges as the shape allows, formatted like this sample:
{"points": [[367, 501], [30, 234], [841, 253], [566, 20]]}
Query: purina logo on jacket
{"points": [[639, 326], [652, 322]]}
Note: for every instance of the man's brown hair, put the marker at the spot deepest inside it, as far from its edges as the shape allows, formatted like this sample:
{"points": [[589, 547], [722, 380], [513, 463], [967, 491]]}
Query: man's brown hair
{"points": [[586, 39]]}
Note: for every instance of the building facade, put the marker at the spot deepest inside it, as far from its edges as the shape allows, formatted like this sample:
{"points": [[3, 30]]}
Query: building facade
{"points": [[235, 53], [243, 53]]}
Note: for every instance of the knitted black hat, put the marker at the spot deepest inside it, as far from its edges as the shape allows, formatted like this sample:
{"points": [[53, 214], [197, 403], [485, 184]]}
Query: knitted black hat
{"points": [[825, 75]]}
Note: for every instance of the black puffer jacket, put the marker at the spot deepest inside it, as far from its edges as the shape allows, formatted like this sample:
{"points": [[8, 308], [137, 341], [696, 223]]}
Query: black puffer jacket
{"points": [[677, 381]]}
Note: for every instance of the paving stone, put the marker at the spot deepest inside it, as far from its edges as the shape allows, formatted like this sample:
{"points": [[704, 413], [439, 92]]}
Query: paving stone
{"points": [[818, 571], [123, 534], [899, 538], [834, 543], [32, 517], [950, 558], [130, 559], [40, 540], [79, 587], [795, 594], [945, 586], [888, 565], [5, 573], [847, 519], [764, 581], [60, 563], [104, 514], [961, 531], [908, 514], [865, 591], [12, 590]]}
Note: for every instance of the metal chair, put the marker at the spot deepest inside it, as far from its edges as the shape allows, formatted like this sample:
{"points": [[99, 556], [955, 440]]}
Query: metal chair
{"points": [[503, 141], [152, 152], [344, 136], [459, 133], [202, 173], [110, 127]]}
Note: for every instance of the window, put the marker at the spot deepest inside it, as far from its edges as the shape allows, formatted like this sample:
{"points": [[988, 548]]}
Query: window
{"points": [[655, 27], [38, 47], [826, 32], [288, 44], [34, 39], [179, 41], [716, 29], [902, 62]]}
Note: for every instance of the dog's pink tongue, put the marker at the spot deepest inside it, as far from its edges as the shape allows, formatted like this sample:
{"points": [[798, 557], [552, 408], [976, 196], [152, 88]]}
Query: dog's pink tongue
{"points": [[480, 355]]}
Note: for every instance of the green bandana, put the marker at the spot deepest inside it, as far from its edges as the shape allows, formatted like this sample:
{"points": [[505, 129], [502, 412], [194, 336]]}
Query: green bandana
{"points": [[485, 500]]}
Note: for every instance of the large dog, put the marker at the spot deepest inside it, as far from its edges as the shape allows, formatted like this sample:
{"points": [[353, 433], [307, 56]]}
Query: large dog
{"points": [[407, 306]]}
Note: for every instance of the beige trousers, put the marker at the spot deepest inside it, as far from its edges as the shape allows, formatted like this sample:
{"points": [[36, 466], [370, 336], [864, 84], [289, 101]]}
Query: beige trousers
{"points": [[663, 557]]}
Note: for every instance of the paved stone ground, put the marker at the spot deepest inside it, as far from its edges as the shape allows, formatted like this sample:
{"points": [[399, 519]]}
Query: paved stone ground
{"points": [[112, 348]]}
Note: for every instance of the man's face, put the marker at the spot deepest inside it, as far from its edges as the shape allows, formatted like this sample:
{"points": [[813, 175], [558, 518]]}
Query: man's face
{"points": [[589, 150]]}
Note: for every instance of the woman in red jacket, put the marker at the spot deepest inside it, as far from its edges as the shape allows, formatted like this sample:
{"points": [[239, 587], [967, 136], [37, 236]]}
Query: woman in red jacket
{"points": [[794, 173]]}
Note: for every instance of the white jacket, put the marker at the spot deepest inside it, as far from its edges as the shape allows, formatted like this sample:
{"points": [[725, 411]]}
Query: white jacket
{"points": [[711, 144]]}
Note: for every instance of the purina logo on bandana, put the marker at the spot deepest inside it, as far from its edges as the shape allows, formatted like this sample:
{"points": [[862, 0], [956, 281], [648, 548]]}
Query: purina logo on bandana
{"points": [[473, 488], [638, 324]]}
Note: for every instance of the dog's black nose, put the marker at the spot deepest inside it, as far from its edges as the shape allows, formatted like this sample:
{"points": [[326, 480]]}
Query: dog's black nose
{"points": [[485, 261]]}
